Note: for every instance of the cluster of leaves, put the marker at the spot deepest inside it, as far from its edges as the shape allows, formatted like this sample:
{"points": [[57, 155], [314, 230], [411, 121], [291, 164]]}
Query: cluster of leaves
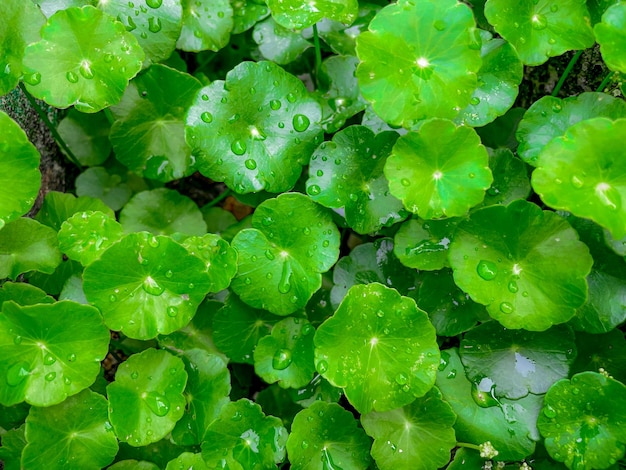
{"points": [[475, 313]]}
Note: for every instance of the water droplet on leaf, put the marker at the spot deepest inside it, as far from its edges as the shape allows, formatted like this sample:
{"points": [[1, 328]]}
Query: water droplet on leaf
{"points": [[300, 122], [238, 147], [152, 287], [71, 77], [206, 117], [282, 359], [157, 403], [17, 373], [487, 270]]}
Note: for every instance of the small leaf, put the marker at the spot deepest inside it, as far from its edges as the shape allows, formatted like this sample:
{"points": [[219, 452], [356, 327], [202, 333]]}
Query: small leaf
{"points": [[441, 171], [87, 136], [98, 183], [541, 30], [187, 460], [85, 58], [218, 256], [246, 13], [58, 207], [17, 157], [243, 437], [418, 436], [424, 244], [23, 294], [379, 347], [278, 44], [341, 37], [318, 389], [299, 14], [526, 265], [206, 25], [510, 178], [13, 443], [598, 352], [581, 421], [611, 37], [326, 436], [606, 305], [49, 351], [146, 399], [72, 434]]}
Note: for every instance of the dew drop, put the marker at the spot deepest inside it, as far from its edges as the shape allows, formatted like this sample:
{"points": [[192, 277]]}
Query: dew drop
{"points": [[85, 70], [152, 287], [67, 380], [49, 359], [154, 3], [284, 286], [112, 298], [206, 117], [313, 190], [539, 22], [506, 307], [557, 108], [405, 182], [401, 379], [304, 445], [549, 412], [269, 255], [487, 270], [17, 373], [157, 403], [172, 311], [134, 375], [513, 288], [554, 8], [439, 25], [291, 98], [250, 164], [238, 147], [306, 329], [71, 357], [169, 274], [322, 366], [282, 359], [300, 122], [50, 376], [17, 340], [475, 100], [71, 77], [275, 105], [33, 78], [247, 281]]}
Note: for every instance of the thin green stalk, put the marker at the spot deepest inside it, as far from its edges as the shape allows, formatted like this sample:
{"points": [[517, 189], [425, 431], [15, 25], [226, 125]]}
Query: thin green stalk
{"points": [[606, 81], [109, 115], [219, 198], [566, 72], [467, 445], [318, 54], [53, 130]]}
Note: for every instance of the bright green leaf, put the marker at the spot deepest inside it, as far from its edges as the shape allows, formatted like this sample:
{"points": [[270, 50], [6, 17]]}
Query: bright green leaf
{"points": [[220, 259], [187, 461], [300, 14], [23, 294], [87, 136], [610, 34], [13, 443], [246, 13], [206, 25], [424, 244], [341, 37], [58, 207], [598, 7]]}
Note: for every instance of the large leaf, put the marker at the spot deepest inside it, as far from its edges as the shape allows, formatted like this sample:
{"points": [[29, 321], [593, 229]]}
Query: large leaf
{"points": [[85, 59], [419, 60], [255, 130], [612, 38], [379, 347], [299, 14], [281, 259], [526, 265], [49, 351], [442, 170]]}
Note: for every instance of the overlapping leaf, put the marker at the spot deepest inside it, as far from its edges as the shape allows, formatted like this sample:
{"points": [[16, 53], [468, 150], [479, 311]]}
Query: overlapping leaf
{"points": [[299, 14], [612, 38]]}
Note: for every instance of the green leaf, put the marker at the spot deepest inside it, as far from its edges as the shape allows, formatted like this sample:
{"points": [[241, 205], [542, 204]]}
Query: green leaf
{"points": [[526, 265], [417, 436], [72, 434], [206, 25], [300, 14], [581, 421], [85, 58], [13, 443], [286, 355], [146, 285], [326, 436], [217, 219], [603, 352], [342, 37], [318, 389], [611, 37], [606, 306], [98, 183], [281, 259], [567, 178], [156, 24], [514, 363], [441, 171], [371, 262], [597, 9], [220, 259], [206, 393], [541, 30], [23, 294], [131, 464], [260, 116], [53, 283], [550, 117], [146, 399], [243, 437], [246, 13], [148, 134], [162, 211], [423, 244], [21, 24], [277, 401], [27, 245], [498, 81], [84, 236], [49, 351], [348, 173], [239, 327], [17, 157], [510, 178], [419, 60], [508, 424], [58, 207], [87, 136], [378, 346], [278, 44], [188, 461]]}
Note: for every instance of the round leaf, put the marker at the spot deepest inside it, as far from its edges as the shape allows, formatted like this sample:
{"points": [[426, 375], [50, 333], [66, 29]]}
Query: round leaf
{"points": [[246, 13], [255, 130], [188, 461], [417, 436], [148, 134], [85, 59], [514, 363], [612, 38], [550, 117], [325, 436], [348, 173], [206, 25], [146, 285], [72, 434], [424, 244], [98, 183], [58, 207], [584, 172], [163, 212], [606, 306], [145, 400], [281, 259], [243, 437], [541, 30], [219, 258], [23, 294], [87, 135], [17, 157], [278, 44], [300, 14], [510, 178], [419, 60], [286, 356], [156, 24], [49, 351], [526, 265], [340, 37], [441, 171], [379, 347], [582, 421]]}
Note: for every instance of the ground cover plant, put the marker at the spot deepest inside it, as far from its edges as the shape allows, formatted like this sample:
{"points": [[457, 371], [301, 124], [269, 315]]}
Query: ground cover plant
{"points": [[427, 265]]}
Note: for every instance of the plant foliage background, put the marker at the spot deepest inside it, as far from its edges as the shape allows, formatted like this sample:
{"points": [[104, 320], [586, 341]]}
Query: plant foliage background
{"points": [[320, 234]]}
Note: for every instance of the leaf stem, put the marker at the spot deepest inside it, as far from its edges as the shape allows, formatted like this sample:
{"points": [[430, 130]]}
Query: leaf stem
{"points": [[467, 445], [318, 54], [606, 81], [566, 72], [217, 199], [53, 130]]}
